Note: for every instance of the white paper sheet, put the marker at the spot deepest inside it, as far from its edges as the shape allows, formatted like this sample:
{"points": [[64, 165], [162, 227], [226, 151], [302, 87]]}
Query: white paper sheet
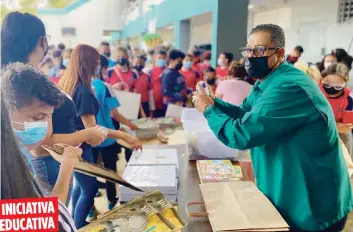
{"points": [[129, 104]]}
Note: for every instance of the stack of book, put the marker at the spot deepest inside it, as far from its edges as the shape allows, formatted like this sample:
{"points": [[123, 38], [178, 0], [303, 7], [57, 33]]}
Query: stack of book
{"points": [[152, 169], [217, 171]]}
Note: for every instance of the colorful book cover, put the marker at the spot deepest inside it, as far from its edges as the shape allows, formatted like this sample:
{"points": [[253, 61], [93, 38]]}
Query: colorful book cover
{"points": [[217, 171]]}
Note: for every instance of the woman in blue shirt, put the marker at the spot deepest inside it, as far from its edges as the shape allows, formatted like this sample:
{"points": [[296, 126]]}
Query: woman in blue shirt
{"points": [[76, 82]]}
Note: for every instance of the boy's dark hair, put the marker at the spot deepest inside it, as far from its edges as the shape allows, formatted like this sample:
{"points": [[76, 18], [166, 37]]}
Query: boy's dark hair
{"points": [[299, 48], [229, 56], [105, 43], [21, 84], [141, 56], [162, 52], [175, 54], [104, 61], [150, 52], [210, 69], [196, 53], [61, 46], [56, 53]]}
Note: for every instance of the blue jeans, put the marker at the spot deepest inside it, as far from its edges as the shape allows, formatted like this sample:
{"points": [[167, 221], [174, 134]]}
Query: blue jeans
{"points": [[83, 194], [47, 169]]}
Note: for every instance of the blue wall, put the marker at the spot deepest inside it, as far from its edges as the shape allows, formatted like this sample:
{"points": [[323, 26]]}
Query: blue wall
{"points": [[71, 7], [167, 13]]}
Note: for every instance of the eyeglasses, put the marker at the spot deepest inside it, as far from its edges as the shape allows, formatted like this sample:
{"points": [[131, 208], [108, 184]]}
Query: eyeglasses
{"points": [[336, 87], [256, 51]]}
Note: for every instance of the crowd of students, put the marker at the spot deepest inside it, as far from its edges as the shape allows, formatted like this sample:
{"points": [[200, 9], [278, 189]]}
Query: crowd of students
{"points": [[61, 95]]}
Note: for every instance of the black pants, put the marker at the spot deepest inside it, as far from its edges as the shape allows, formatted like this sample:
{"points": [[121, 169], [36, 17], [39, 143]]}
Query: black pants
{"points": [[159, 113], [337, 227], [110, 157]]}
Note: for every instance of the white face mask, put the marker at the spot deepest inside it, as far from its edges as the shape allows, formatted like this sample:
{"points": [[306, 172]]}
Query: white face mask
{"points": [[220, 62]]}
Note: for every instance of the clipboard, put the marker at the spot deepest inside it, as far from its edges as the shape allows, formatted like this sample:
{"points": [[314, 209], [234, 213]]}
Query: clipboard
{"points": [[89, 169]]}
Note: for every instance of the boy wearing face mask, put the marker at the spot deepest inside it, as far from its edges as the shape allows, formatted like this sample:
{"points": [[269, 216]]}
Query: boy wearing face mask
{"points": [[340, 98], [66, 56], [155, 73], [223, 62], [143, 86], [173, 83], [121, 77], [190, 75], [211, 78]]}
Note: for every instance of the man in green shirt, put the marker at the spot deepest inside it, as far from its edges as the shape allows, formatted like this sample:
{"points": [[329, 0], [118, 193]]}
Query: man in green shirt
{"points": [[291, 131]]}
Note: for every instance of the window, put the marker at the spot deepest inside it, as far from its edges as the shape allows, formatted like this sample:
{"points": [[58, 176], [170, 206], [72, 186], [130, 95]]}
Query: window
{"points": [[345, 11]]}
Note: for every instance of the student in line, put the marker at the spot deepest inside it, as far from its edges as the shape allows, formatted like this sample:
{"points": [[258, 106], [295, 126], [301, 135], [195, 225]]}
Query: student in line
{"points": [[191, 76], [21, 184], [31, 99], [294, 56], [340, 98], [46, 65], [143, 86], [76, 82], [117, 116], [223, 62], [210, 77], [66, 56], [326, 61], [196, 62], [235, 89], [156, 72], [173, 83], [121, 77], [109, 149], [31, 49], [59, 68], [206, 61]]}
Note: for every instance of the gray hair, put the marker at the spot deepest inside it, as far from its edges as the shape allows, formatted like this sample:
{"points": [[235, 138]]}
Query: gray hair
{"points": [[277, 33]]}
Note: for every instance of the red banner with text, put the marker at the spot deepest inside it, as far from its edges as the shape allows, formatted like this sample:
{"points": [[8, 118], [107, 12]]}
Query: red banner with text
{"points": [[32, 214]]}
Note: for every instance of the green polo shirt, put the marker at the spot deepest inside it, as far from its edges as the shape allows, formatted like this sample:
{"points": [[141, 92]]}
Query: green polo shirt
{"points": [[291, 131]]}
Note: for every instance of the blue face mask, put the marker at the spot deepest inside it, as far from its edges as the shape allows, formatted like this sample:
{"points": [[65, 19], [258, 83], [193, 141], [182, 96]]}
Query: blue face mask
{"points": [[187, 64], [161, 63], [33, 133], [53, 72], [66, 62]]}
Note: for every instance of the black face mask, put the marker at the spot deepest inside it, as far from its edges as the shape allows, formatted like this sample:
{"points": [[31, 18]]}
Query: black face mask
{"points": [[178, 66], [123, 61], [107, 54], [139, 67], [211, 81], [331, 90], [257, 67]]}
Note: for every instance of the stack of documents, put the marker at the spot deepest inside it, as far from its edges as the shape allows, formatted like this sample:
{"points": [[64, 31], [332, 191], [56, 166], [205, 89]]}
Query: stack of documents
{"points": [[152, 169], [149, 178], [154, 157]]}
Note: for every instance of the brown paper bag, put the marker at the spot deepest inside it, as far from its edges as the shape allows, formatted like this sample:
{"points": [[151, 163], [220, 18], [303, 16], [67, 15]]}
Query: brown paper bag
{"points": [[239, 206]]}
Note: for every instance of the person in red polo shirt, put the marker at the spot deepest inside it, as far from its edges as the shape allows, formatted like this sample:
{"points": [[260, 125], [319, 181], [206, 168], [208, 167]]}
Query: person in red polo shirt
{"points": [[196, 62], [206, 61], [223, 62], [143, 86], [121, 76], [190, 75], [156, 73], [340, 98]]}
